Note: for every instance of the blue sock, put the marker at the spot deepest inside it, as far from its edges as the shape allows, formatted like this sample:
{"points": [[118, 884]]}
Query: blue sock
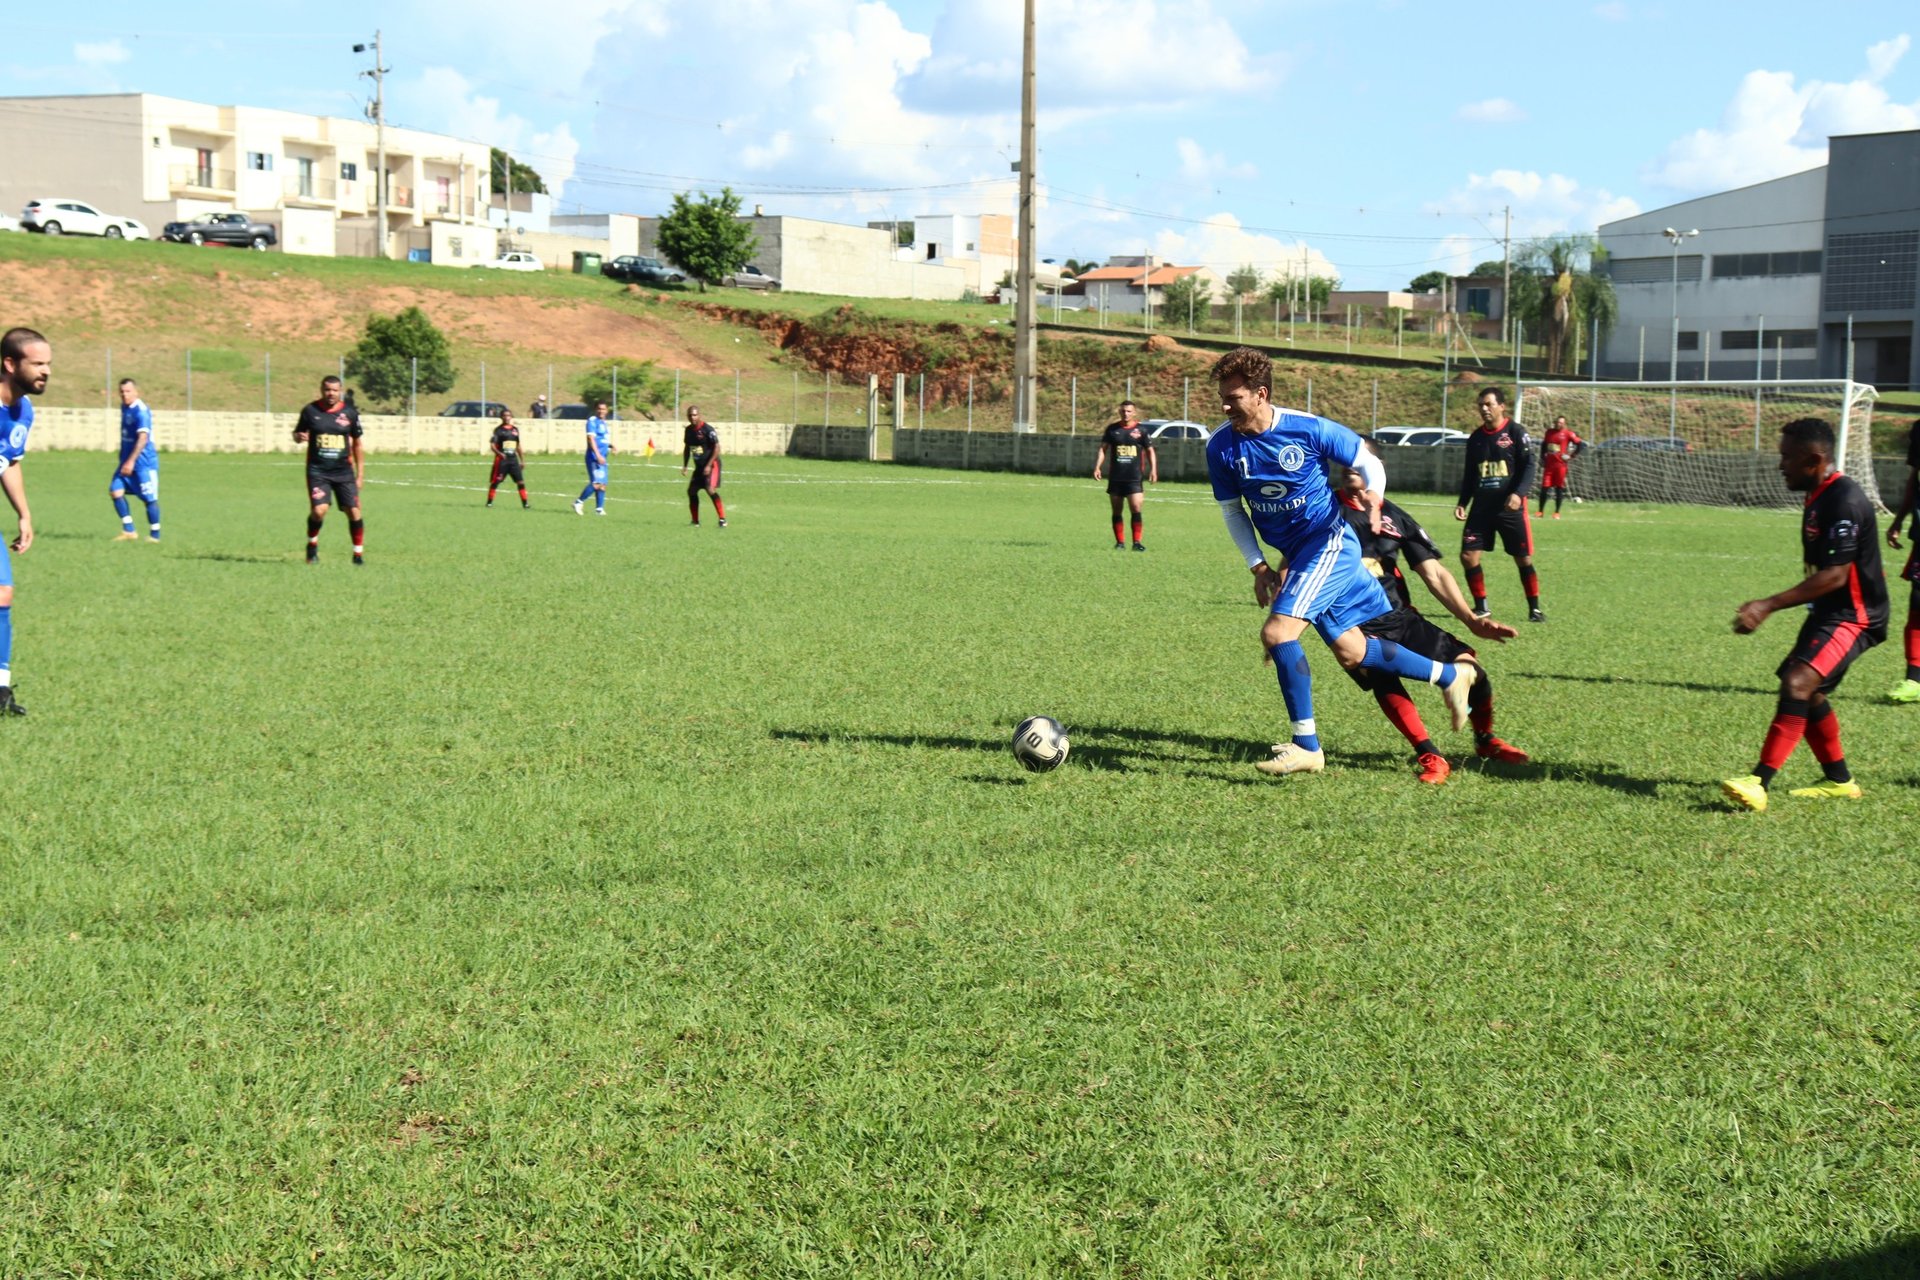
{"points": [[600, 499], [1385, 655], [6, 636], [126, 512], [584, 492], [1296, 686], [153, 520]]}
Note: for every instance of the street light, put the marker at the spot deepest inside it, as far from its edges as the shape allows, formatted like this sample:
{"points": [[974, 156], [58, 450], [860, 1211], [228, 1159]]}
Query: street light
{"points": [[1674, 238]]}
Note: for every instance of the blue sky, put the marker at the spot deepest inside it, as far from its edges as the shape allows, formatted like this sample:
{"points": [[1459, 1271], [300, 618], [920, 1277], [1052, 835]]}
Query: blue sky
{"points": [[1382, 137]]}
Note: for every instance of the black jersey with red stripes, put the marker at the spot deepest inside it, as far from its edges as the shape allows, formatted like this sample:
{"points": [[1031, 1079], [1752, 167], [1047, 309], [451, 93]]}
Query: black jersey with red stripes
{"points": [[1499, 465], [1839, 529], [1400, 534]]}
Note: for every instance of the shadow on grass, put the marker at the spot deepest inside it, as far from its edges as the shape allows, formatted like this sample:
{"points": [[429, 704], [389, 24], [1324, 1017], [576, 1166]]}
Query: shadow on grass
{"points": [[1685, 686], [1099, 747], [1899, 1260], [238, 557]]}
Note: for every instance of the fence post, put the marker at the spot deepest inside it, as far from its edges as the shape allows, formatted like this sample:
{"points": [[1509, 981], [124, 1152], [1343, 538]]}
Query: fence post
{"points": [[267, 369], [1186, 396], [1073, 405], [921, 421], [1376, 404], [413, 387], [796, 396], [109, 377], [736, 395], [826, 407], [550, 405], [189, 379], [614, 408], [483, 386], [969, 404], [676, 394], [1309, 395]]}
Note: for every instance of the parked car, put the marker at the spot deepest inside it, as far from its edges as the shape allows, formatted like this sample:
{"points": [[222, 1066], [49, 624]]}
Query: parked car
{"points": [[1643, 444], [750, 277], [234, 229], [640, 270], [1176, 429], [58, 216], [8, 222], [473, 409], [1417, 437], [577, 412], [516, 260]]}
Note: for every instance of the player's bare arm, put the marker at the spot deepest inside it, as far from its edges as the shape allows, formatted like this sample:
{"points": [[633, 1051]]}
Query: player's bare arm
{"points": [[1750, 615], [355, 452], [1904, 510], [14, 482], [1099, 458], [1153, 465], [1446, 589], [139, 446]]}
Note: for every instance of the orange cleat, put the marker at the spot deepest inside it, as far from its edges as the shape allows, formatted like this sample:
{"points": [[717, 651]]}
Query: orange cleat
{"points": [[1491, 748], [1433, 768]]}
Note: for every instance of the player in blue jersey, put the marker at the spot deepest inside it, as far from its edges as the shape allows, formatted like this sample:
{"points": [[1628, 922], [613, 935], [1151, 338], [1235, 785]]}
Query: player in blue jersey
{"points": [[1268, 466], [26, 362], [599, 449], [138, 470]]}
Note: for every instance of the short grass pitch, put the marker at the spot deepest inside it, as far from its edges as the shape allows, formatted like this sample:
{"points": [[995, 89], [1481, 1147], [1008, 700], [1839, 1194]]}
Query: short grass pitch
{"points": [[569, 896]]}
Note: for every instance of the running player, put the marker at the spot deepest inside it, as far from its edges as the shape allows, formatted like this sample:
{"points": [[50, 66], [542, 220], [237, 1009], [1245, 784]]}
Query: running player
{"points": [[336, 468], [506, 459], [1129, 453], [139, 468], [1493, 496], [1557, 448], [26, 362], [1268, 467], [1400, 534], [1908, 690], [599, 449], [1846, 595], [701, 446]]}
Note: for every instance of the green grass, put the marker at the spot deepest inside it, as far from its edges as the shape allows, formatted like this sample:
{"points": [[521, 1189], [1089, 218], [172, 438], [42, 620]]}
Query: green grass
{"points": [[602, 897]]}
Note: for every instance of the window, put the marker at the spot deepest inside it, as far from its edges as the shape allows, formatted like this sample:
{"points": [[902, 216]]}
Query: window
{"points": [[203, 167], [1689, 340], [1754, 339], [1795, 262], [260, 161], [1874, 271], [1479, 302], [1658, 270], [349, 172], [303, 167]]}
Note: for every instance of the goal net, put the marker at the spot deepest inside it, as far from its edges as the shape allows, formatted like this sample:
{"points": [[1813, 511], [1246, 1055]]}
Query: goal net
{"points": [[1713, 443]]}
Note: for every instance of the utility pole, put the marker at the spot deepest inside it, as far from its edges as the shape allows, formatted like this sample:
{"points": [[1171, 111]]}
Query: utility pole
{"points": [[1025, 349], [379, 74], [1506, 278]]}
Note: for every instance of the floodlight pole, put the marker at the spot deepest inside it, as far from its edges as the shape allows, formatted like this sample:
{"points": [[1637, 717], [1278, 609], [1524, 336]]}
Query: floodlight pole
{"points": [[1674, 238], [1025, 348]]}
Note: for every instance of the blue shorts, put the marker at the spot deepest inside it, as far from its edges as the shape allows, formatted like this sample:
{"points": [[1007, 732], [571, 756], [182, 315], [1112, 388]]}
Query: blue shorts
{"points": [[144, 481], [596, 472], [6, 565], [1331, 588]]}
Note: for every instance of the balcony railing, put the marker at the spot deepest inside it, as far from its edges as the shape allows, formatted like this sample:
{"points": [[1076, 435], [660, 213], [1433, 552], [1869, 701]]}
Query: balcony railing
{"points": [[199, 178], [313, 190]]}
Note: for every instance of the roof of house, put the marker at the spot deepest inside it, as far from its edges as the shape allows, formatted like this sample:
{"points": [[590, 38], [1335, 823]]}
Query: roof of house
{"points": [[1131, 275]]}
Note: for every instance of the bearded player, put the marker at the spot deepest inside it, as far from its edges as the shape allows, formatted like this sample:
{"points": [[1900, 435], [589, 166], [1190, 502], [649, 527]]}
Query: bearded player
{"points": [[1493, 498], [26, 362]]}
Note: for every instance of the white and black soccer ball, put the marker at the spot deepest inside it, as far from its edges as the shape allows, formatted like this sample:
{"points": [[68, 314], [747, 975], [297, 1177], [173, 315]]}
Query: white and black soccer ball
{"points": [[1040, 744]]}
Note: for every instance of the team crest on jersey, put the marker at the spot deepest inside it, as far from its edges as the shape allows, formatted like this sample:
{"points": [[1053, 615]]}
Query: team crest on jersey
{"points": [[1503, 439], [1273, 491], [18, 439], [1292, 458], [1845, 529]]}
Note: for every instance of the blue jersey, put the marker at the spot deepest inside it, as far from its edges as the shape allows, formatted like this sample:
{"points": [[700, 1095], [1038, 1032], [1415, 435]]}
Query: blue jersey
{"points": [[1281, 477], [134, 419], [597, 429], [16, 420]]}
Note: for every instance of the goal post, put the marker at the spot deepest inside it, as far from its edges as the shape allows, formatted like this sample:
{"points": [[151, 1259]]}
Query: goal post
{"points": [[1710, 443]]}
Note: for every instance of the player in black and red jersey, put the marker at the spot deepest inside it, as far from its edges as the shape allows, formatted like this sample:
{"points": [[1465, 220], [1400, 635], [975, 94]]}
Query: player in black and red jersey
{"points": [[1493, 497], [1558, 447], [1400, 534], [1127, 453], [701, 447], [506, 459], [1908, 690], [336, 467], [1846, 597]]}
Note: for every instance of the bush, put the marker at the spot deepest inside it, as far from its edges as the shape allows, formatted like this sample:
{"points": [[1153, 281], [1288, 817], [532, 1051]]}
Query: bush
{"points": [[638, 383], [383, 362]]}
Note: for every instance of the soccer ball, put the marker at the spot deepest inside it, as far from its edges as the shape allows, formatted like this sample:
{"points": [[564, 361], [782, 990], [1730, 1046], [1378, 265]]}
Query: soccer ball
{"points": [[1040, 744]]}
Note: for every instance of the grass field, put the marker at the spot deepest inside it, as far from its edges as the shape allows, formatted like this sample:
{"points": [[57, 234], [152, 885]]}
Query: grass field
{"points": [[601, 897]]}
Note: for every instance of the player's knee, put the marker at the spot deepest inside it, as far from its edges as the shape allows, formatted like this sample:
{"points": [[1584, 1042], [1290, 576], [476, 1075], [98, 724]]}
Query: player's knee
{"points": [[1800, 682], [1275, 630], [6, 597]]}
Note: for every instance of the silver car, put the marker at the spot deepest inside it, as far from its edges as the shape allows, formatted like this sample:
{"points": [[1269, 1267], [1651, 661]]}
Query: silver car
{"points": [[751, 277]]}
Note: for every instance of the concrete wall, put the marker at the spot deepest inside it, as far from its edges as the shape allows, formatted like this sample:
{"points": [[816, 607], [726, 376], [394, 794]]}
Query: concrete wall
{"points": [[455, 245], [84, 148], [309, 231]]}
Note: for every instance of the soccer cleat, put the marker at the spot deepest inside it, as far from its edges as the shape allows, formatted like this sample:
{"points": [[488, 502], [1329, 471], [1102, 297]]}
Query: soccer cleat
{"points": [[1748, 792], [1464, 674], [313, 554], [126, 535], [1556, 515], [1488, 747], [1481, 611], [599, 511], [723, 522], [359, 558], [577, 508], [489, 502], [1828, 790], [1536, 615], [1290, 757], [1433, 768], [1119, 546], [525, 505], [1139, 546], [1905, 692], [8, 707]]}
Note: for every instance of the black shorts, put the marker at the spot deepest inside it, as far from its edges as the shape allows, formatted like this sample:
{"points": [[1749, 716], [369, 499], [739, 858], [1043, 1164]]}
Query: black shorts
{"points": [[1829, 646], [1124, 488], [341, 485], [1409, 629], [508, 465], [1514, 528], [706, 475]]}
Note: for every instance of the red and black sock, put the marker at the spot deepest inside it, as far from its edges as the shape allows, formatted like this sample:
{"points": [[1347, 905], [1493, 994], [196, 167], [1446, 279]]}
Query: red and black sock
{"points": [[1119, 530], [313, 528], [523, 493], [1480, 704], [1823, 736], [1402, 714], [1477, 587], [1783, 735], [358, 528], [1530, 583], [491, 490], [718, 509], [693, 505], [1138, 525], [1913, 642]]}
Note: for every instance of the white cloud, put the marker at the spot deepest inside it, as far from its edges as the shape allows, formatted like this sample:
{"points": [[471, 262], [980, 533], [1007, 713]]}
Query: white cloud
{"points": [[1542, 204], [1222, 244], [1490, 111], [101, 54], [1612, 11], [1775, 126], [1199, 165], [444, 101]]}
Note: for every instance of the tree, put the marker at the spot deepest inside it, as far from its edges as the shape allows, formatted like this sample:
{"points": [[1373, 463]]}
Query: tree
{"points": [[1189, 296], [637, 384], [1427, 280], [1492, 267], [707, 237], [1243, 281], [506, 168], [1557, 292], [1076, 268], [383, 361]]}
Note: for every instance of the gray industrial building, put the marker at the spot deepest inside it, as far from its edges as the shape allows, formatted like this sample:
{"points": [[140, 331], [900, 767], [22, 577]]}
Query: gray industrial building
{"points": [[1776, 271]]}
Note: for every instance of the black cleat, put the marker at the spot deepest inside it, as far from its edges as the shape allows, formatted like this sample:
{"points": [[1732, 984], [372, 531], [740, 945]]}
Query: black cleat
{"points": [[358, 558], [313, 554], [1139, 546], [1119, 546], [1536, 615], [1481, 611], [8, 707], [526, 506], [489, 501]]}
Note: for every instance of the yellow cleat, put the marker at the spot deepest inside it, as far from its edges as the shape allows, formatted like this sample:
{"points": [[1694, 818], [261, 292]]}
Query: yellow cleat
{"points": [[126, 537], [1829, 791], [1291, 758], [1746, 792], [1455, 694], [1906, 691]]}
